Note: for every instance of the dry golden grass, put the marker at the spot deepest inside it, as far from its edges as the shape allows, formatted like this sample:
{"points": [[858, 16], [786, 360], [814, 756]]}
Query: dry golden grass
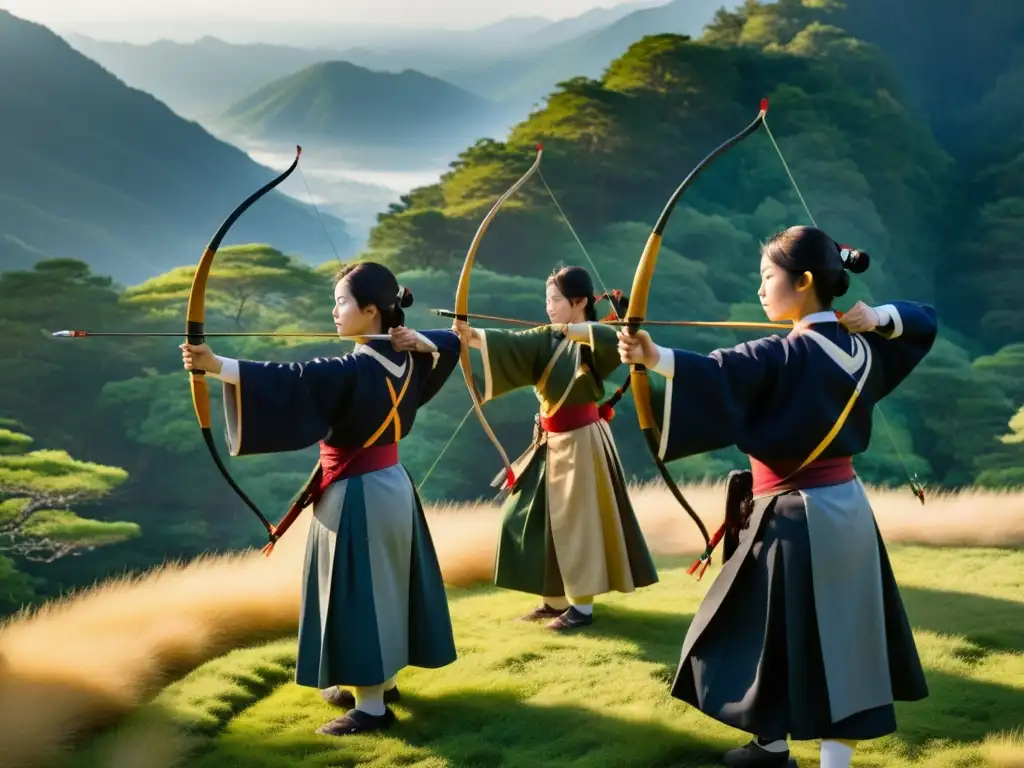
{"points": [[1005, 750], [83, 662], [466, 535]]}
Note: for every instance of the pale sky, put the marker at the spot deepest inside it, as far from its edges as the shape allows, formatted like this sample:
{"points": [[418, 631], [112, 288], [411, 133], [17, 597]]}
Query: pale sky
{"points": [[435, 13]]}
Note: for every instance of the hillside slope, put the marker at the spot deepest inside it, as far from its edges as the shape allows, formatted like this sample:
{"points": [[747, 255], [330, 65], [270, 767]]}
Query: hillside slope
{"points": [[93, 169], [522, 79], [354, 106], [521, 696], [201, 77], [111, 649]]}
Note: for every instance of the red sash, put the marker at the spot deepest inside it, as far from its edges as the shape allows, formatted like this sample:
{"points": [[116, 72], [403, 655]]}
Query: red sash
{"points": [[335, 464], [570, 417], [788, 475], [339, 463]]}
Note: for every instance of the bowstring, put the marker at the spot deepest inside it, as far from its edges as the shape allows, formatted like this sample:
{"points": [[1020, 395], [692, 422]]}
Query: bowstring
{"points": [[912, 476], [600, 280], [318, 216], [579, 242], [430, 471]]}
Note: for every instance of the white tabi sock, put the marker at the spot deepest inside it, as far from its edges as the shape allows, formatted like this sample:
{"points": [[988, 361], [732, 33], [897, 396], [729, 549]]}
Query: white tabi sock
{"points": [[558, 603], [585, 608], [835, 754], [370, 699]]}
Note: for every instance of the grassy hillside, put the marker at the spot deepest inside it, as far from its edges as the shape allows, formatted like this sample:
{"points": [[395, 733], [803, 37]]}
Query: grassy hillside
{"points": [[110, 656], [519, 696], [98, 171]]}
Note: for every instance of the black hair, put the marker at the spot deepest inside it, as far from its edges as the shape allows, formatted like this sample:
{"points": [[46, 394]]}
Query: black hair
{"points": [[808, 249], [374, 284], [575, 283]]}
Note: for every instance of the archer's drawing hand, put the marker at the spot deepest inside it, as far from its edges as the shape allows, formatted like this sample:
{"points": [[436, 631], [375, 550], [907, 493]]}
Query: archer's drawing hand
{"points": [[199, 357], [405, 340], [637, 349], [860, 319]]}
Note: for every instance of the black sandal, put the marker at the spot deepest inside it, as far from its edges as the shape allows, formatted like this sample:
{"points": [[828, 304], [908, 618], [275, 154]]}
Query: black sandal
{"points": [[753, 755], [571, 619], [544, 612], [355, 722]]}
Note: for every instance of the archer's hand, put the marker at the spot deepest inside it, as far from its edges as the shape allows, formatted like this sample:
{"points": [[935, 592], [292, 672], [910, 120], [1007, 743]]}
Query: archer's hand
{"points": [[199, 357], [637, 349], [467, 335], [405, 340], [860, 319]]}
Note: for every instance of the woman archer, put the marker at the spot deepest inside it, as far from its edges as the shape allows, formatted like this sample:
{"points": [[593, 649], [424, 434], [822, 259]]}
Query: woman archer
{"points": [[803, 634], [569, 532], [373, 600]]}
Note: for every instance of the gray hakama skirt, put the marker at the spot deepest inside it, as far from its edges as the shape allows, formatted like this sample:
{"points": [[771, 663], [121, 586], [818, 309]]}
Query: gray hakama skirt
{"points": [[373, 600], [803, 634]]}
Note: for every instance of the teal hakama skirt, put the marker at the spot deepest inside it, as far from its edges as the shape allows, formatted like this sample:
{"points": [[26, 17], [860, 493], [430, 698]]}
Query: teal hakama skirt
{"points": [[373, 600]]}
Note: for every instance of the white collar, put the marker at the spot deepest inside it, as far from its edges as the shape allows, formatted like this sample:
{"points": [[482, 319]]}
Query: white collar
{"points": [[825, 316], [396, 370]]}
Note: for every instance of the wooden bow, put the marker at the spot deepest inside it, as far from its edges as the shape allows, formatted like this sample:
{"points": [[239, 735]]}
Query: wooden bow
{"points": [[195, 331], [462, 314], [636, 315]]}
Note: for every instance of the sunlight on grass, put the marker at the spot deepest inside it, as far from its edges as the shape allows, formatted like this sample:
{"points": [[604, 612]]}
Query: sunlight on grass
{"points": [[110, 656], [520, 696]]}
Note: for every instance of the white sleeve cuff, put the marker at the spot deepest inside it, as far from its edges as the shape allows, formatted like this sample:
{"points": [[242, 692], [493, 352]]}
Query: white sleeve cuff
{"points": [[666, 362], [888, 313], [428, 345], [581, 333], [488, 392], [229, 372]]}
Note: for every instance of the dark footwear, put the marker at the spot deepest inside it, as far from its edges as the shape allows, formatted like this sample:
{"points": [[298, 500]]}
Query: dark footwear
{"points": [[356, 721], [571, 619], [544, 612], [750, 755], [344, 698]]}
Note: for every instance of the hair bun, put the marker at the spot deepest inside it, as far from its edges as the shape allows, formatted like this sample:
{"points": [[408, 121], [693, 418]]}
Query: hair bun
{"points": [[853, 260], [404, 297]]}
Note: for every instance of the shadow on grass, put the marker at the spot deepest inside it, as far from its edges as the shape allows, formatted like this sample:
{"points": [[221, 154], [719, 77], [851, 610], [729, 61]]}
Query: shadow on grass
{"points": [[485, 729], [658, 637], [479, 729], [958, 708], [991, 623]]}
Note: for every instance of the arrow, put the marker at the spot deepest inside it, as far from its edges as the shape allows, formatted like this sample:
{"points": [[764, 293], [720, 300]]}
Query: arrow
{"points": [[80, 334], [689, 323]]}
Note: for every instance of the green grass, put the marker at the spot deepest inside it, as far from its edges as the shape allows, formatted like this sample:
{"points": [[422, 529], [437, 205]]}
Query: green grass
{"points": [[521, 696]]}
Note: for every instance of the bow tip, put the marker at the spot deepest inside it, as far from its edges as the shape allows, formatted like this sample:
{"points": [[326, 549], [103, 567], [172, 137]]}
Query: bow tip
{"points": [[764, 106], [540, 147], [298, 150]]}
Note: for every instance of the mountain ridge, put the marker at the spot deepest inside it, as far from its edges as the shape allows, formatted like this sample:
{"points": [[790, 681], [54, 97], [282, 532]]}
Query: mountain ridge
{"points": [[127, 185], [406, 113]]}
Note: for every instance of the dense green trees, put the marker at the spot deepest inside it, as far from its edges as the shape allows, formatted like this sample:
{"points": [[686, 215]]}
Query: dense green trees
{"points": [[942, 221]]}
